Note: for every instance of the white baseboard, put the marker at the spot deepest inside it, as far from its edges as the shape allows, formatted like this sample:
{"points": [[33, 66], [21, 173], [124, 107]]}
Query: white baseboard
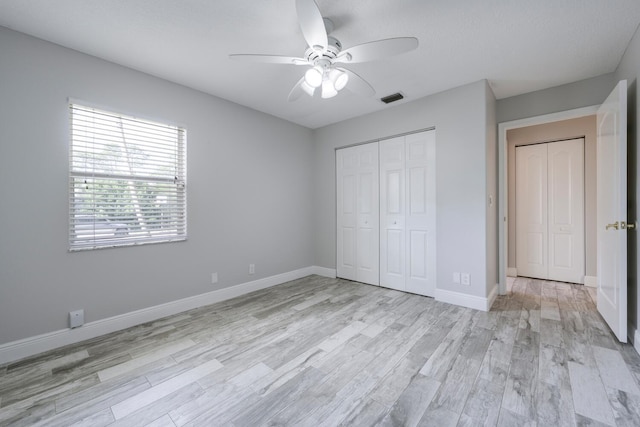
{"points": [[323, 271], [591, 281], [465, 300], [492, 296], [20, 349], [512, 272]]}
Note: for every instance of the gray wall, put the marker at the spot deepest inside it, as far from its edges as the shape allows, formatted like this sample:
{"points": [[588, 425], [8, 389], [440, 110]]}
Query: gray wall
{"points": [[491, 199], [629, 69], [460, 117], [249, 193], [583, 93]]}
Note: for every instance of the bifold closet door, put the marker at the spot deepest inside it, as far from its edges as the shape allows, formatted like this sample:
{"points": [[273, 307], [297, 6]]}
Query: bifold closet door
{"points": [[358, 226], [407, 213], [531, 211], [566, 210], [550, 211]]}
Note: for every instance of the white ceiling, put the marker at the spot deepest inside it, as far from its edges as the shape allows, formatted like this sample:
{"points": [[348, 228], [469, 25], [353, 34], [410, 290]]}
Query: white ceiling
{"points": [[518, 45]]}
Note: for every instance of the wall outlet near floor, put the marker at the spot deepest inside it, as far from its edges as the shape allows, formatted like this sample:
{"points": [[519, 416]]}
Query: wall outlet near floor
{"points": [[214, 278], [456, 277], [252, 269], [76, 318], [465, 279]]}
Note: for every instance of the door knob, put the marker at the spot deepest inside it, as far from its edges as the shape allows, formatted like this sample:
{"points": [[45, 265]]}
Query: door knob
{"points": [[629, 225], [615, 225]]}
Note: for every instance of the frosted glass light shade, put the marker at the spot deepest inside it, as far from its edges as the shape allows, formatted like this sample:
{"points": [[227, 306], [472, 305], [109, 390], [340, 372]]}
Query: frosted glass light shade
{"points": [[307, 88], [339, 79], [313, 77], [328, 90]]}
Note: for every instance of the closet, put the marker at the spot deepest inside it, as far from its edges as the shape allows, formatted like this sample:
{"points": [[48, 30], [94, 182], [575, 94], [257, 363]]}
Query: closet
{"points": [[550, 211], [398, 198]]}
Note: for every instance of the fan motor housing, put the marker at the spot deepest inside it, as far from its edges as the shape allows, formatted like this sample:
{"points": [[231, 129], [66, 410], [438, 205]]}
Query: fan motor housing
{"points": [[330, 53]]}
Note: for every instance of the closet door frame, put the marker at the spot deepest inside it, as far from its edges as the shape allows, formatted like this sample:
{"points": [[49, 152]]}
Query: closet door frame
{"points": [[361, 179], [550, 231]]}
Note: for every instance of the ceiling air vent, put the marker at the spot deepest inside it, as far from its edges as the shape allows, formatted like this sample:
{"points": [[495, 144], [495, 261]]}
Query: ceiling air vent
{"points": [[392, 98]]}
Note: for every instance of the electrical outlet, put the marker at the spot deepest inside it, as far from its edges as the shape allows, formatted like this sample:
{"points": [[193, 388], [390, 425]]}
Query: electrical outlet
{"points": [[214, 278], [456, 277], [465, 279], [252, 269], [76, 318]]}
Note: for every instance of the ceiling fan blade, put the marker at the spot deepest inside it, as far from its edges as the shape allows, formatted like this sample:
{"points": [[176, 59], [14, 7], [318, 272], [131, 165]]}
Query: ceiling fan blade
{"points": [[269, 59], [297, 91], [311, 23], [357, 84], [377, 50]]}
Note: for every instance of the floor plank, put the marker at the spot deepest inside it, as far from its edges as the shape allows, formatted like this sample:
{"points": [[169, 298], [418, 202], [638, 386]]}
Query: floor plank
{"points": [[320, 351]]}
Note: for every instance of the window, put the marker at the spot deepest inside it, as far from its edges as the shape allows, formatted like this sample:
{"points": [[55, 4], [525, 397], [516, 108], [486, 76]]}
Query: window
{"points": [[127, 180]]}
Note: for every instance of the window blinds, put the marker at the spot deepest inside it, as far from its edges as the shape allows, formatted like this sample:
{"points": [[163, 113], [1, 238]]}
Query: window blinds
{"points": [[127, 181]]}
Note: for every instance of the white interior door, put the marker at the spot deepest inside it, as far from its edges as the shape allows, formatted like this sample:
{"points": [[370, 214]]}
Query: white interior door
{"points": [[420, 219], [392, 213], [612, 210], [407, 213], [531, 211], [358, 213], [346, 201], [566, 210], [368, 222]]}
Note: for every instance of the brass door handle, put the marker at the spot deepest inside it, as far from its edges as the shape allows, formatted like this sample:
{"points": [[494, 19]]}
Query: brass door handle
{"points": [[629, 225], [615, 225]]}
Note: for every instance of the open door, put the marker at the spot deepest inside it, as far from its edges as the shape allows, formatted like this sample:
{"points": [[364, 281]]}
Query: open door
{"points": [[612, 210]]}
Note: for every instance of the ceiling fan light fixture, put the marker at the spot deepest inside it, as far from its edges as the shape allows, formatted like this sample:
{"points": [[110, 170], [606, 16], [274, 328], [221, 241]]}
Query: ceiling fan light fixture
{"points": [[313, 77], [328, 90], [339, 79], [310, 90]]}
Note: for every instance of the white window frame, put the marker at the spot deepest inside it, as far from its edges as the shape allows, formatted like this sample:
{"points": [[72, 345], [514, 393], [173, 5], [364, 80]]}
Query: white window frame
{"points": [[127, 180]]}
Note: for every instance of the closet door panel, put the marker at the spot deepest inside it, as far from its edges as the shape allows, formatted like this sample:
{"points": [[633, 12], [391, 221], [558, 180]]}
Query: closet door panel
{"points": [[531, 211], [346, 179], [368, 211], [566, 211], [420, 213], [418, 255], [392, 213]]}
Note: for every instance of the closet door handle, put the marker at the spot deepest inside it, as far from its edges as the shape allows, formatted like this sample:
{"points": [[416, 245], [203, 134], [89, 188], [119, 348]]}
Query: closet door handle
{"points": [[615, 225]]}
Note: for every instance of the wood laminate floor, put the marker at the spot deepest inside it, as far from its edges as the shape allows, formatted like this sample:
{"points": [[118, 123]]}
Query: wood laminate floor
{"points": [[328, 352]]}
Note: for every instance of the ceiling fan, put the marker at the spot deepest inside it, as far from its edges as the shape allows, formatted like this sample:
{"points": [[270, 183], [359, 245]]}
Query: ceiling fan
{"points": [[325, 53]]}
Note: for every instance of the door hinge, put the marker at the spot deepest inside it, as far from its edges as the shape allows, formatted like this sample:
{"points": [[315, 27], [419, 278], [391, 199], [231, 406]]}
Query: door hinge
{"points": [[629, 225]]}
